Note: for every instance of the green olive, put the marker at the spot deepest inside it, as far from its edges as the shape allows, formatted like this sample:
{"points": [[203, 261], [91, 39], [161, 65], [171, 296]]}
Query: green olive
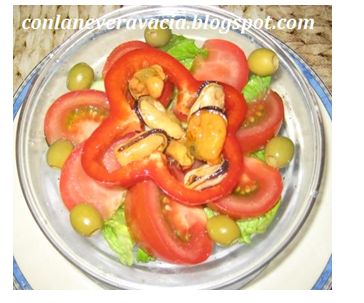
{"points": [[80, 76], [159, 36], [58, 153], [223, 230], [263, 62], [279, 152], [85, 219]]}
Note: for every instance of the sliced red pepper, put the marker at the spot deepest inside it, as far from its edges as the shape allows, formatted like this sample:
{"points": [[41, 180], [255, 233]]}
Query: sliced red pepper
{"points": [[167, 93], [120, 51], [122, 120], [123, 49]]}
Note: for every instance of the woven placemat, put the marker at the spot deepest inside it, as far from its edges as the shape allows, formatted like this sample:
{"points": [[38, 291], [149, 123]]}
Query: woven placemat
{"points": [[314, 46]]}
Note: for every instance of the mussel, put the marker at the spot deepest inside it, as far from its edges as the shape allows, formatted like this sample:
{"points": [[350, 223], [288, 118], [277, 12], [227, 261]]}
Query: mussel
{"points": [[206, 133], [147, 81], [141, 146], [206, 175], [180, 153], [210, 94], [153, 114]]}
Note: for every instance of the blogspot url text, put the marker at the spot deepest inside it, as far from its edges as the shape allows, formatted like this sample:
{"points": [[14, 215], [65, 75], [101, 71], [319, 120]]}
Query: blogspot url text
{"points": [[205, 22]]}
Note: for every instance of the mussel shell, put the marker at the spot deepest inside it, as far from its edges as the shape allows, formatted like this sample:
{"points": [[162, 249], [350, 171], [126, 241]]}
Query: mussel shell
{"points": [[143, 135], [202, 101], [137, 110], [224, 166], [162, 111], [213, 109], [203, 85]]}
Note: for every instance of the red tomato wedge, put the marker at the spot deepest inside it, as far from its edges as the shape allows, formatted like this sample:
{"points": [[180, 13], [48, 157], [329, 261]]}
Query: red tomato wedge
{"points": [[180, 217], [156, 231], [77, 187], [75, 115], [226, 63], [266, 187], [263, 120], [121, 50]]}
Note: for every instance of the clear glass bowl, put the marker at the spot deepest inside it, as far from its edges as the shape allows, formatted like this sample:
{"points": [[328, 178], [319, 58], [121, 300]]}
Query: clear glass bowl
{"points": [[226, 268]]}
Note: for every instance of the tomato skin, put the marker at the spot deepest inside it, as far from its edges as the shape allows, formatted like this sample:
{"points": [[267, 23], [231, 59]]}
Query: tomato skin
{"points": [[56, 118], [121, 50], [226, 63], [181, 217], [253, 137], [269, 190], [152, 232], [77, 187]]}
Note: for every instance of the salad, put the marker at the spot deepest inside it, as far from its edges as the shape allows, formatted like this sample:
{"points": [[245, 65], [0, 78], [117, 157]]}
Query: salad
{"points": [[173, 150]]}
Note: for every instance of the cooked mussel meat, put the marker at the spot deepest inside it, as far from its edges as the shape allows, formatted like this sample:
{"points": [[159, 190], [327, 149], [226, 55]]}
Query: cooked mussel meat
{"points": [[153, 114], [147, 81], [141, 146], [206, 175], [206, 133], [210, 94]]}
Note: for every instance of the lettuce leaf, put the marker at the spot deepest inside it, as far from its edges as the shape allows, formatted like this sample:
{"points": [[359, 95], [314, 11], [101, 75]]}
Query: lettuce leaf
{"points": [[256, 87], [259, 154], [251, 226], [184, 50], [117, 235], [209, 212], [143, 257]]}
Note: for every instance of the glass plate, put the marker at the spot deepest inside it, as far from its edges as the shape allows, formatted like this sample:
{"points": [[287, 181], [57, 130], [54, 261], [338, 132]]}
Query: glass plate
{"points": [[227, 268]]}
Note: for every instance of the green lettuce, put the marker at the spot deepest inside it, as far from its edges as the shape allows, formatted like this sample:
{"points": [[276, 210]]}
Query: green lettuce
{"points": [[143, 257], [117, 235], [260, 155], [209, 212], [184, 50], [251, 226], [256, 87]]}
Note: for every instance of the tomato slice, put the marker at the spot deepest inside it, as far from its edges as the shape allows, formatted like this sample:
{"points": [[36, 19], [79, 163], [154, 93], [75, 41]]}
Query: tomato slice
{"points": [[155, 225], [180, 217], [77, 187], [226, 63], [265, 185], [121, 50], [263, 120], [75, 115]]}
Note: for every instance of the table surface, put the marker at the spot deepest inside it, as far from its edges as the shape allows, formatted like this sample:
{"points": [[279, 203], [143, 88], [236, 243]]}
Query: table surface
{"points": [[314, 46]]}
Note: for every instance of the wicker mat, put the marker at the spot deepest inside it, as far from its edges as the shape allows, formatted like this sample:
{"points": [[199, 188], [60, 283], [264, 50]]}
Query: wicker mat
{"points": [[30, 46]]}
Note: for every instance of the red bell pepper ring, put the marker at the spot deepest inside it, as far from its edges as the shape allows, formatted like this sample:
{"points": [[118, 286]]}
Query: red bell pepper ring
{"points": [[122, 120], [120, 51]]}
